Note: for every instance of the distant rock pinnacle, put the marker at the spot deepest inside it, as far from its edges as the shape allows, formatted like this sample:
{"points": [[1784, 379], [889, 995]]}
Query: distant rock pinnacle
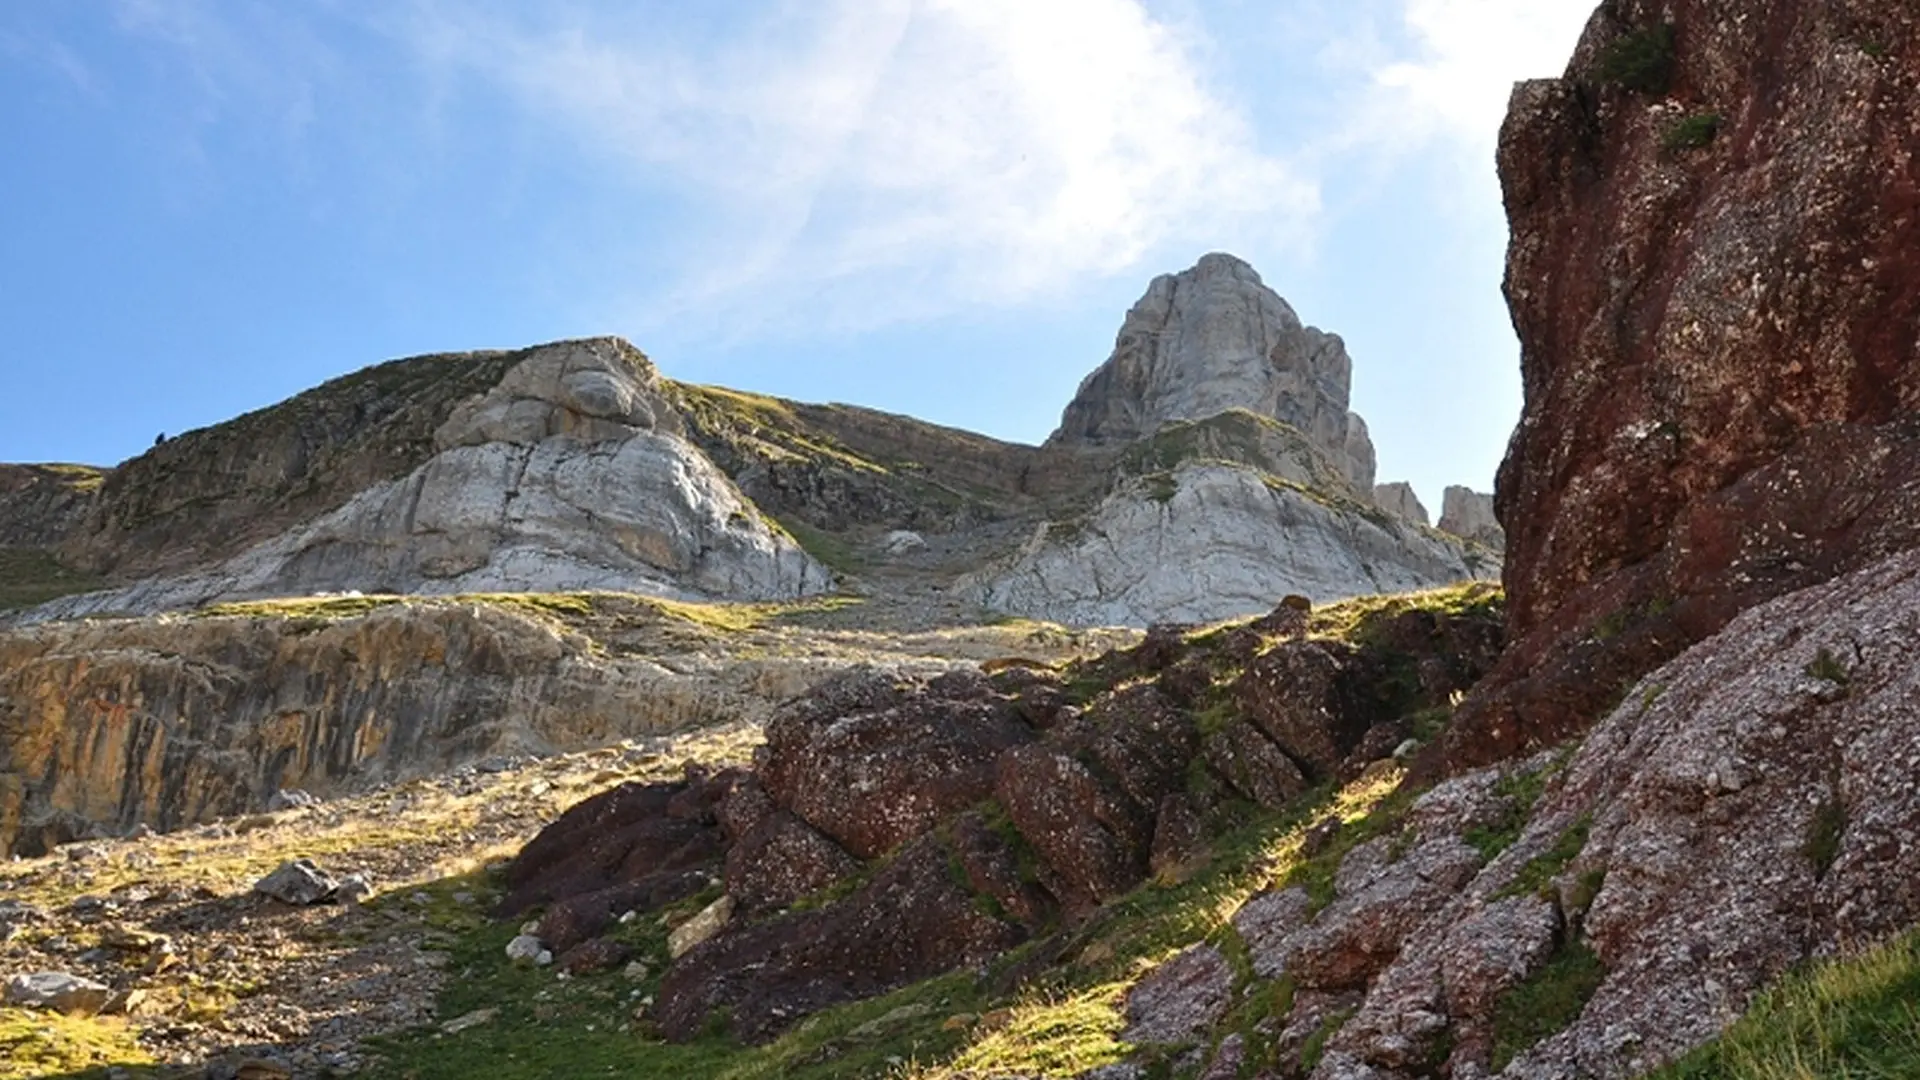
{"points": [[1215, 338]]}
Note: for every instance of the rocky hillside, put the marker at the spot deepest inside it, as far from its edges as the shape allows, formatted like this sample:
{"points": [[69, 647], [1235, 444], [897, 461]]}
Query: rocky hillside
{"points": [[575, 466], [1713, 277]]}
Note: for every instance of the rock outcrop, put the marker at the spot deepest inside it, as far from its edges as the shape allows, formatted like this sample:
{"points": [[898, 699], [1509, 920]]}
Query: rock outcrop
{"points": [[1399, 499], [1209, 541], [570, 473], [1214, 338], [1712, 273], [1749, 807], [938, 822], [40, 505], [1468, 514]]}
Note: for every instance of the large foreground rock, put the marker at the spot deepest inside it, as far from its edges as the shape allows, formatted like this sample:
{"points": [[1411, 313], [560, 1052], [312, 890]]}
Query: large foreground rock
{"points": [[1750, 806], [1713, 276]]}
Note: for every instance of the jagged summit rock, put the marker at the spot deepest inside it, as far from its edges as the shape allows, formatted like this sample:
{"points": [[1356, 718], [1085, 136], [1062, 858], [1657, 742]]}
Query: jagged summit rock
{"points": [[1468, 514], [1399, 499], [1214, 338]]}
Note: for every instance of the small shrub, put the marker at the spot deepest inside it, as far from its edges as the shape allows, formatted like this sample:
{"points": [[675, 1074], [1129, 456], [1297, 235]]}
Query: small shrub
{"points": [[1827, 668], [1691, 133], [1822, 846], [1642, 61]]}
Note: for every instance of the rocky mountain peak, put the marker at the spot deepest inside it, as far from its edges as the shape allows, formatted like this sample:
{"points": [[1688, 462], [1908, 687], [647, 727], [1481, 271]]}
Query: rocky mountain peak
{"points": [[1214, 338]]}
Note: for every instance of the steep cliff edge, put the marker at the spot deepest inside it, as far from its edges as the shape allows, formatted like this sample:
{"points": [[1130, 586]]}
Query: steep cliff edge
{"points": [[1715, 276]]}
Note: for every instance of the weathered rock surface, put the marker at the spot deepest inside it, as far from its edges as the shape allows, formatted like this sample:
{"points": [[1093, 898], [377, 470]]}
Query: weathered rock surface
{"points": [[1181, 998], [1211, 541], [1468, 514], [1214, 338], [1399, 499], [58, 991], [1748, 807], [40, 505], [569, 474], [1712, 273], [298, 882]]}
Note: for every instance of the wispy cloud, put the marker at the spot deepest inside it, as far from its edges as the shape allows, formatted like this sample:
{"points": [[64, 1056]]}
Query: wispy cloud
{"points": [[1467, 54], [864, 161]]}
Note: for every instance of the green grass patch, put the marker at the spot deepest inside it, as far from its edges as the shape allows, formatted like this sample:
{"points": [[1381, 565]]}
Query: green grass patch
{"points": [[828, 549], [1362, 620], [1315, 1048], [1824, 833], [32, 576], [1827, 667], [1521, 790], [1642, 61], [1537, 876], [34, 1044], [1857, 1017], [1691, 132], [1544, 1004]]}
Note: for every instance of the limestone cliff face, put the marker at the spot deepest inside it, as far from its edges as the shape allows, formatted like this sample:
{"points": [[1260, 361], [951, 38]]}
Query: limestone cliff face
{"points": [[207, 494], [173, 720], [1715, 277], [1398, 498], [1468, 514], [1214, 338], [1209, 541], [569, 473]]}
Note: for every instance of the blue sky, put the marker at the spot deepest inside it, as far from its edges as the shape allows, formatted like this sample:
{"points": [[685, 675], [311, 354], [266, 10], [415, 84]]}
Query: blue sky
{"points": [[936, 207]]}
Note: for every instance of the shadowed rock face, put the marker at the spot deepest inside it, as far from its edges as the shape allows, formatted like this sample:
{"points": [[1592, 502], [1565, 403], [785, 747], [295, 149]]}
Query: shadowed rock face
{"points": [[1715, 277]]}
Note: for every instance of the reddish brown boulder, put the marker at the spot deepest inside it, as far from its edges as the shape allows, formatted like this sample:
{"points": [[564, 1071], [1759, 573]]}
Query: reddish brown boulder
{"points": [[627, 839], [887, 757], [1293, 695], [1093, 840], [1252, 766], [1715, 277], [911, 922], [782, 859]]}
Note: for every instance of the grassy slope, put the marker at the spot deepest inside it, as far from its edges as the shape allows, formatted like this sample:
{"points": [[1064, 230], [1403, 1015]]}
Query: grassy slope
{"points": [[1853, 1019]]}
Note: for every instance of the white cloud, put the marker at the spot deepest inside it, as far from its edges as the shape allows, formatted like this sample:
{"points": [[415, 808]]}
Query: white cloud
{"points": [[1469, 55], [863, 161]]}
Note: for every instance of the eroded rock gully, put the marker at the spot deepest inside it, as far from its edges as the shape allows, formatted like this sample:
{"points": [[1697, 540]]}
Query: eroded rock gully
{"points": [[1715, 277]]}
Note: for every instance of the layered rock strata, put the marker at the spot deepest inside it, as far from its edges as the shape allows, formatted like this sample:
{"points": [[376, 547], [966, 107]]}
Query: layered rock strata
{"points": [[108, 725], [1712, 273]]}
